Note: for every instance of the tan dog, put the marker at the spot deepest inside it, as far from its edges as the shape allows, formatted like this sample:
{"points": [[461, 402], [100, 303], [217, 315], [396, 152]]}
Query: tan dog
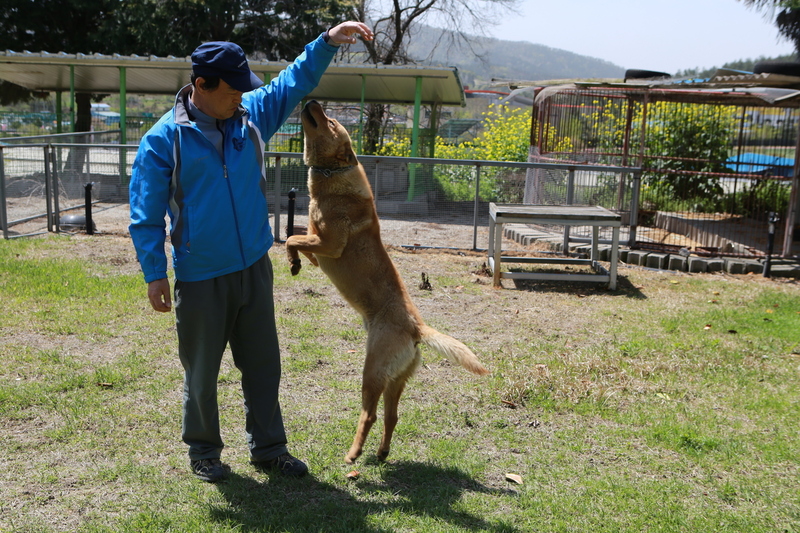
{"points": [[344, 241]]}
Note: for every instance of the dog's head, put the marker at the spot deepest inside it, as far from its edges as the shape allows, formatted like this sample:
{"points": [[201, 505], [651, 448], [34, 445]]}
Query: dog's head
{"points": [[326, 144]]}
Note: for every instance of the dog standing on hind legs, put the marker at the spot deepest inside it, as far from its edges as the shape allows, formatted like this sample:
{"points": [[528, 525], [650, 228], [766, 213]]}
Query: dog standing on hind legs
{"points": [[344, 241]]}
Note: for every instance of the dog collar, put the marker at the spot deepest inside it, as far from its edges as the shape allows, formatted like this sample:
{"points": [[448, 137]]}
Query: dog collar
{"points": [[328, 171]]}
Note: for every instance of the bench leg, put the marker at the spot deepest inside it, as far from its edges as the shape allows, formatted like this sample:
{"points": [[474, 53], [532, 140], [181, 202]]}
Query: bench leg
{"points": [[612, 281], [495, 248]]}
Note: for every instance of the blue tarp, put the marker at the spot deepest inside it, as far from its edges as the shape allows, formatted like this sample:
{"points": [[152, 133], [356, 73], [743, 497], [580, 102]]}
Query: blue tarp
{"points": [[752, 163]]}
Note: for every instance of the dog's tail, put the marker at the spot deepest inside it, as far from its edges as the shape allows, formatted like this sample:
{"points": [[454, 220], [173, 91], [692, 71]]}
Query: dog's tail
{"points": [[453, 349]]}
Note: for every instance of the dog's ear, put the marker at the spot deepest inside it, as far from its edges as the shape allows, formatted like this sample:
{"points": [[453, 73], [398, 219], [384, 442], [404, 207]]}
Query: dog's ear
{"points": [[347, 154]]}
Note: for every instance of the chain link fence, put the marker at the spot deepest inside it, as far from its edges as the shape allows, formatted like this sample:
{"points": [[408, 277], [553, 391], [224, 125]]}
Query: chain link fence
{"points": [[715, 170], [422, 202], [444, 203], [41, 182]]}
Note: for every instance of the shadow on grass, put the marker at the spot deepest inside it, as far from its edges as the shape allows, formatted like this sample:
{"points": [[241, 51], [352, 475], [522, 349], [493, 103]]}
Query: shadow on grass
{"points": [[406, 492], [581, 288]]}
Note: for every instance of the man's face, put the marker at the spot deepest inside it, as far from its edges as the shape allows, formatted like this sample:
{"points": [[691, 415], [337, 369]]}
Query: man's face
{"points": [[219, 103]]}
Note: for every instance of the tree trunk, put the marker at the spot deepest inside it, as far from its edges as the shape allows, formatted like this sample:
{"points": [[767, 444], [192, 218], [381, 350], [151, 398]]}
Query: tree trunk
{"points": [[83, 122], [373, 129], [73, 177]]}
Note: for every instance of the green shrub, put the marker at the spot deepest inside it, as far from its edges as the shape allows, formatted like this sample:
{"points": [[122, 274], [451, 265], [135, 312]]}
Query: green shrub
{"points": [[505, 136]]}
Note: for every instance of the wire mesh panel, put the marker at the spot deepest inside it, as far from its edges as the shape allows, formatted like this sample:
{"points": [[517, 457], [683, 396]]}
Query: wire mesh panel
{"points": [[24, 184], [427, 202], [559, 186], [43, 183], [90, 137], [420, 201], [437, 200], [106, 168], [713, 169]]}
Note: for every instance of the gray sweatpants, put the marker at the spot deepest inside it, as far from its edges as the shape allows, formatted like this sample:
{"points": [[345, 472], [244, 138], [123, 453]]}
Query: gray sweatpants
{"points": [[236, 308]]}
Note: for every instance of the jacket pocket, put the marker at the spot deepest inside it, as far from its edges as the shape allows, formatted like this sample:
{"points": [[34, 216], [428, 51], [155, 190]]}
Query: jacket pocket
{"points": [[182, 237]]}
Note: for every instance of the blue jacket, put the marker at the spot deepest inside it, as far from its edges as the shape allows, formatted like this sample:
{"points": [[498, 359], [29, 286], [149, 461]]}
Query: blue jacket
{"points": [[217, 205]]}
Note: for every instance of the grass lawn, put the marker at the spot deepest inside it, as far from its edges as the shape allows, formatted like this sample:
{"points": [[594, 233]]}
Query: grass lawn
{"points": [[671, 404]]}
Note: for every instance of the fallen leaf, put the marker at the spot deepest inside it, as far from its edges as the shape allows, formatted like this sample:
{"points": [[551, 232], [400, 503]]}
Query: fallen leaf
{"points": [[768, 311], [674, 282], [515, 478], [353, 474], [715, 293], [105, 385], [713, 301], [732, 331], [663, 396], [510, 404], [707, 326]]}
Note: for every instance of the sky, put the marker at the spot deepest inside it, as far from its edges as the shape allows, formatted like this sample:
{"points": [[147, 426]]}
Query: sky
{"points": [[660, 35]]}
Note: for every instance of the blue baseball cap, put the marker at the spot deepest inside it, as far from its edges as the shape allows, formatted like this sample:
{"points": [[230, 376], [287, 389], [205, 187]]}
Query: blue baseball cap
{"points": [[225, 60]]}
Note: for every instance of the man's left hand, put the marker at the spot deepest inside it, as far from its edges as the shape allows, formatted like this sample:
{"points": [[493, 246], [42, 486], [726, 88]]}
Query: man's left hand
{"points": [[346, 32]]}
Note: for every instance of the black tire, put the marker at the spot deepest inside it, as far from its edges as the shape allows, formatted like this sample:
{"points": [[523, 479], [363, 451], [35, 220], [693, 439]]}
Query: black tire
{"points": [[787, 68], [638, 74]]}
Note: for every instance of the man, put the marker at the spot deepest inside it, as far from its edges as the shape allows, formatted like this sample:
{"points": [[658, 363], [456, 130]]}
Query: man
{"points": [[203, 164]]}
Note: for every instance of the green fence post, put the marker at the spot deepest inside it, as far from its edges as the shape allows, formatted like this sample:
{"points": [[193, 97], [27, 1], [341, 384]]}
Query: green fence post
{"points": [[123, 125], [72, 97], [58, 112]]}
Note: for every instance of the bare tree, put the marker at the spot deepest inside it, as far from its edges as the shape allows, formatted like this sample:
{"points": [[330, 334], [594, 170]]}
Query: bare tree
{"points": [[394, 22]]}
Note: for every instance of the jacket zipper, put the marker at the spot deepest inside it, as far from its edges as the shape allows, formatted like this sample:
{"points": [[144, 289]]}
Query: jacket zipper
{"points": [[230, 193]]}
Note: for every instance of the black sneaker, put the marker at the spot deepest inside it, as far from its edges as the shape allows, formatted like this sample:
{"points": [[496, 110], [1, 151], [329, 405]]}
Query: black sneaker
{"points": [[211, 470], [285, 464]]}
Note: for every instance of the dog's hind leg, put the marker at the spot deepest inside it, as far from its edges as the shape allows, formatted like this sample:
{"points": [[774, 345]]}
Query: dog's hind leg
{"points": [[373, 382], [391, 359], [371, 390], [391, 397]]}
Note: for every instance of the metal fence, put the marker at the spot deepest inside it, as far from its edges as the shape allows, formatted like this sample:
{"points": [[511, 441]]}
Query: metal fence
{"points": [[448, 199], [39, 182], [421, 201], [713, 173]]}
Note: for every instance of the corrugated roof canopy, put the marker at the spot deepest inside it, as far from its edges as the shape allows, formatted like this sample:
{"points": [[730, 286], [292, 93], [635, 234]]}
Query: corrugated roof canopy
{"points": [[725, 87], [756, 97], [157, 75]]}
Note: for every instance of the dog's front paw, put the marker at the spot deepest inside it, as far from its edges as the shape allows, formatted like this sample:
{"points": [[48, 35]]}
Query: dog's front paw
{"points": [[296, 264]]}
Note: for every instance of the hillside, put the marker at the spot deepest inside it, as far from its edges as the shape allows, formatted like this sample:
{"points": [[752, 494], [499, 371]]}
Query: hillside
{"points": [[496, 58], [742, 64]]}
